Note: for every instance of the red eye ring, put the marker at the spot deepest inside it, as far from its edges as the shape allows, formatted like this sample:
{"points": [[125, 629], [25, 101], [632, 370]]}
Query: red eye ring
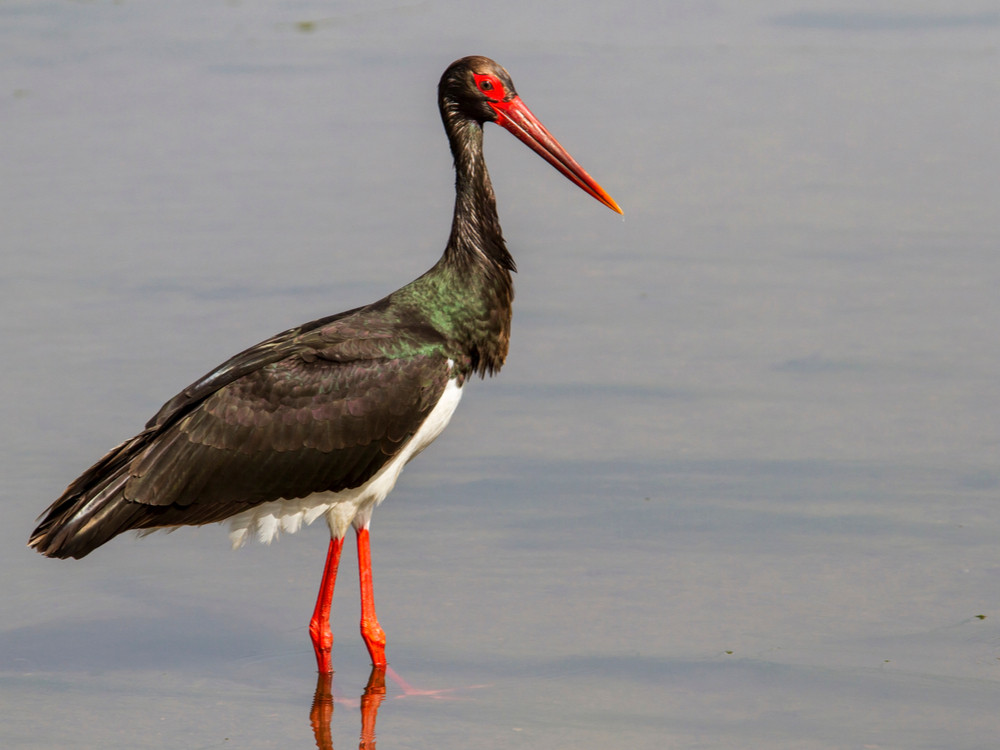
{"points": [[490, 85]]}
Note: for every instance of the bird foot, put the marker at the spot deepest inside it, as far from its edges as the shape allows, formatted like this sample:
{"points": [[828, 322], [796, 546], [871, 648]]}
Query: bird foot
{"points": [[374, 638], [322, 641]]}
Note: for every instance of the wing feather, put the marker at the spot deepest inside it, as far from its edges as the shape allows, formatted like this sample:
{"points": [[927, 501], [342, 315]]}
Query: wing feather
{"points": [[317, 408], [288, 430]]}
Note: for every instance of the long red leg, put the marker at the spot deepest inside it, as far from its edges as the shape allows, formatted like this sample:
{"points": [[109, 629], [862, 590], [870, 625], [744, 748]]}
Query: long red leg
{"points": [[319, 626], [371, 631]]}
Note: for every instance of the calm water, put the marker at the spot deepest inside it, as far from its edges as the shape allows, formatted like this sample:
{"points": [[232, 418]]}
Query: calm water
{"points": [[738, 484]]}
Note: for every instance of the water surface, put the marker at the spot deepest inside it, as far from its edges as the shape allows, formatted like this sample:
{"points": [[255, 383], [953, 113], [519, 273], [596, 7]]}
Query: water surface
{"points": [[737, 485]]}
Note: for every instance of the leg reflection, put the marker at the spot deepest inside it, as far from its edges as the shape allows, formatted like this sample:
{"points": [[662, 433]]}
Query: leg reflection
{"points": [[322, 709], [371, 699]]}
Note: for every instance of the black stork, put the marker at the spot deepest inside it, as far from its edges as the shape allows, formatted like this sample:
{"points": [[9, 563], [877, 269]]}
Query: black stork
{"points": [[319, 420]]}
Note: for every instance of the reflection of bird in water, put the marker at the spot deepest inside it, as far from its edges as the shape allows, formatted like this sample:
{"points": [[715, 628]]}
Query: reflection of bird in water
{"points": [[322, 709], [321, 714], [319, 421]]}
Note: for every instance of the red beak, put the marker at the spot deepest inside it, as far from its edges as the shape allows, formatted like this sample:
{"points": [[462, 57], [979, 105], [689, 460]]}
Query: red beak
{"points": [[517, 118]]}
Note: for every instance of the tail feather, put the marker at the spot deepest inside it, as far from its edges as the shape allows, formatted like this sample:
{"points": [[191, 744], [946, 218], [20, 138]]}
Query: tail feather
{"points": [[94, 509]]}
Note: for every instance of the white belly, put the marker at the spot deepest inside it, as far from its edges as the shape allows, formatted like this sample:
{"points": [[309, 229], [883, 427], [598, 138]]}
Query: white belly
{"points": [[354, 506]]}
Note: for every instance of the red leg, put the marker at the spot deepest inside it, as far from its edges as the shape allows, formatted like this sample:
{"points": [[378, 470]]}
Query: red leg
{"points": [[371, 631], [319, 626]]}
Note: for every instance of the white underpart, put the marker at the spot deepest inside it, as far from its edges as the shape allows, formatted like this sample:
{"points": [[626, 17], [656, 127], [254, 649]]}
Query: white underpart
{"points": [[268, 520]]}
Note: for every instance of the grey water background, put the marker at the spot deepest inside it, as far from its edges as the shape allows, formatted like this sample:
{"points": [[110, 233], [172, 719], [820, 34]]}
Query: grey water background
{"points": [[737, 485]]}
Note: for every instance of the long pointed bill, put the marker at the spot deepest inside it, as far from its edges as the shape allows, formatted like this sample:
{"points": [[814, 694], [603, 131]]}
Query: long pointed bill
{"points": [[517, 118]]}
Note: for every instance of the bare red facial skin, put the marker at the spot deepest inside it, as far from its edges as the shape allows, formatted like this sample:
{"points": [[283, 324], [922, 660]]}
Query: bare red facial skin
{"points": [[491, 86]]}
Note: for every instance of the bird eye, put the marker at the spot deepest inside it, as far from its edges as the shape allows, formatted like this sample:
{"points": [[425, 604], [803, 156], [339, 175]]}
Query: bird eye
{"points": [[489, 85]]}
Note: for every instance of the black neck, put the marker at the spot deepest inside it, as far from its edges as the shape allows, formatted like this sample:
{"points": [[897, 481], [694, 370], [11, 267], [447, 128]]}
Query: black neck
{"points": [[475, 230]]}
